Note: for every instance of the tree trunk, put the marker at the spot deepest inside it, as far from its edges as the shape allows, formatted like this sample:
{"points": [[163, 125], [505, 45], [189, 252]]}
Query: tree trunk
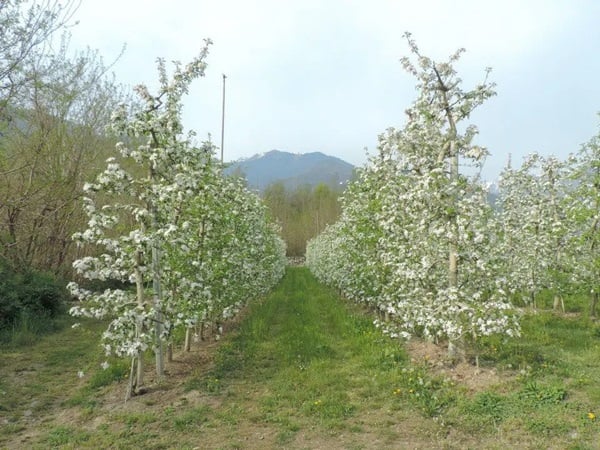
{"points": [[132, 380], [139, 282], [533, 300], [453, 248], [140, 371], [558, 303], [157, 290], [456, 351], [188, 340], [594, 304], [170, 352], [158, 318], [456, 347]]}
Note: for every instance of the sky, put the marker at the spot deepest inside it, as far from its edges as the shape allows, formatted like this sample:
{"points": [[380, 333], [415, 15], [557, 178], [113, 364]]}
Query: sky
{"points": [[324, 75]]}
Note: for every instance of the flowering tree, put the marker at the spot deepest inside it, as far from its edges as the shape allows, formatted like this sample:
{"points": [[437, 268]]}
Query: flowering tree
{"points": [[428, 226], [535, 227], [163, 216], [345, 253], [584, 201]]}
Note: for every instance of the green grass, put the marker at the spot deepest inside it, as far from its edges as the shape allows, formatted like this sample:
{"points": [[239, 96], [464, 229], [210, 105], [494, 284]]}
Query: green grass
{"points": [[62, 435], [30, 328], [553, 392], [40, 378], [323, 362], [303, 369]]}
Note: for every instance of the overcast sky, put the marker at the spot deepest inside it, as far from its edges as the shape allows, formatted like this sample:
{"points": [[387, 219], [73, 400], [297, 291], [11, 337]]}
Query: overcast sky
{"points": [[316, 75]]}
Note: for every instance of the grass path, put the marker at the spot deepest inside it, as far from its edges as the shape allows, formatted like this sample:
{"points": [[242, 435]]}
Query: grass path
{"points": [[307, 373], [302, 369]]}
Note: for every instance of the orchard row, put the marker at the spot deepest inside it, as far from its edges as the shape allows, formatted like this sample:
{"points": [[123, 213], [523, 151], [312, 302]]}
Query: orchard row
{"points": [[420, 241], [189, 245]]}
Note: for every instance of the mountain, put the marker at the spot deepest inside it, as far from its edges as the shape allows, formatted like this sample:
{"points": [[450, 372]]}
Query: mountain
{"points": [[292, 170]]}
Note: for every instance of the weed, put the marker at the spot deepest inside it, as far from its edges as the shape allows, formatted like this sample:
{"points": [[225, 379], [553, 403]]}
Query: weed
{"points": [[117, 370], [285, 437], [11, 428], [542, 395], [63, 435], [192, 417], [230, 359], [432, 394], [82, 399], [490, 405], [138, 418]]}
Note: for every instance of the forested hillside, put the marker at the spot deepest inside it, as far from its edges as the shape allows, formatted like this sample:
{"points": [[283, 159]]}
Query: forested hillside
{"points": [[293, 171]]}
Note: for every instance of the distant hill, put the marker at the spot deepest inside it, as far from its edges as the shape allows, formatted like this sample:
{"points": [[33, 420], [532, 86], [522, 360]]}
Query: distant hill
{"points": [[292, 170]]}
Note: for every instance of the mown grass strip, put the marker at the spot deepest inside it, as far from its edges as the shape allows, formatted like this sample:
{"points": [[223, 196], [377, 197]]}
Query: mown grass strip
{"points": [[316, 356]]}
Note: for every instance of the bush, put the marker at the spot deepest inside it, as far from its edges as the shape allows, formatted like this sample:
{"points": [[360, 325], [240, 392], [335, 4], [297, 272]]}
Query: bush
{"points": [[28, 294]]}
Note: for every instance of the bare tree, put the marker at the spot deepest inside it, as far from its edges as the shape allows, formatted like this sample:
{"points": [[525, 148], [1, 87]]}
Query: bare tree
{"points": [[53, 142], [27, 28]]}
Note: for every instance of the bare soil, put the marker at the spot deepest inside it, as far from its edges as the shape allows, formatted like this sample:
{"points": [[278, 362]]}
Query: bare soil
{"points": [[435, 357]]}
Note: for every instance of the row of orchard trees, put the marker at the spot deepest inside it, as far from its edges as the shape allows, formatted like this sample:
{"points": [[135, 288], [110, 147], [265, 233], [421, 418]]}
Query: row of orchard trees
{"points": [[162, 217], [548, 226], [420, 242]]}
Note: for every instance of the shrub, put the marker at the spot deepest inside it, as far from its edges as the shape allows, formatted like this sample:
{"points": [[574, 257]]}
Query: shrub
{"points": [[29, 295]]}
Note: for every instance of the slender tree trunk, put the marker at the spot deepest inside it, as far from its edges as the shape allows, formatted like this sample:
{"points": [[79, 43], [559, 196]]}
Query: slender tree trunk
{"points": [[453, 250], [456, 346], [594, 304], [558, 303], [140, 371], [157, 291], [132, 380], [158, 317], [202, 331], [188, 340], [139, 282]]}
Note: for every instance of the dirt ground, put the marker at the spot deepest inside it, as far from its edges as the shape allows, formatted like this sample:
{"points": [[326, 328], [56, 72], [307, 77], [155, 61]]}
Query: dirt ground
{"points": [[474, 378]]}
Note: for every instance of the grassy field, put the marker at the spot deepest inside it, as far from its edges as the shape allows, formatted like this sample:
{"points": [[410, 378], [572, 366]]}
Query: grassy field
{"points": [[302, 369]]}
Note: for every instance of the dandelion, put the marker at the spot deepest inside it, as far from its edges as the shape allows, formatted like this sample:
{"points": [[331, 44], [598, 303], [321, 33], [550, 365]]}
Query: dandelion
{"points": [[397, 391], [591, 416], [317, 403]]}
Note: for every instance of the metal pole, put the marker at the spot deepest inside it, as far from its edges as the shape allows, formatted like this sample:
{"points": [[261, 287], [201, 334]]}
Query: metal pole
{"points": [[223, 119]]}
